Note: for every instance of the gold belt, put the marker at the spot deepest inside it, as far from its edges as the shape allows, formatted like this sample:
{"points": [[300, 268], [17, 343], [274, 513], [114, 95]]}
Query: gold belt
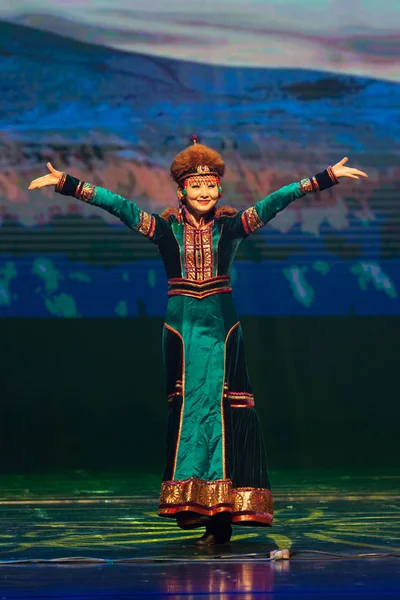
{"points": [[199, 289]]}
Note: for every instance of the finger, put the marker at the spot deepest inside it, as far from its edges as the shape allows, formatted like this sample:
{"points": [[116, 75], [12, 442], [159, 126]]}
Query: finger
{"points": [[351, 176], [358, 172], [343, 161], [33, 184], [39, 182], [50, 167]]}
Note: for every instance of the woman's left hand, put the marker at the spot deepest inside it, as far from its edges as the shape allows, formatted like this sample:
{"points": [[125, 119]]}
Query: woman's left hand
{"points": [[340, 170]]}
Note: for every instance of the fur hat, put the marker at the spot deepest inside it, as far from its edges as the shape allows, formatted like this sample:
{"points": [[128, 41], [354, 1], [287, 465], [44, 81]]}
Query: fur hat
{"points": [[196, 160]]}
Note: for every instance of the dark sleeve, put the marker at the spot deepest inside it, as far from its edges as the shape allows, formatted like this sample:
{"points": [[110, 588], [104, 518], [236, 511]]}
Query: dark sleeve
{"points": [[126, 210], [251, 219]]}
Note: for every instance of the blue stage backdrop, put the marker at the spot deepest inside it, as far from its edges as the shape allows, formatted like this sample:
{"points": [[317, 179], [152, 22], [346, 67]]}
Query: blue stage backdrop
{"points": [[111, 91]]}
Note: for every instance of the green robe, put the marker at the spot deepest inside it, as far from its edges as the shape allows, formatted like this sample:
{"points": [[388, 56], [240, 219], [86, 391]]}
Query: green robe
{"points": [[216, 458]]}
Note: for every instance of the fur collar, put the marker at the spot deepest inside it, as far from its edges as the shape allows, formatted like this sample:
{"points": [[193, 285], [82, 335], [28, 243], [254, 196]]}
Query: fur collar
{"points": [[219, 212]]}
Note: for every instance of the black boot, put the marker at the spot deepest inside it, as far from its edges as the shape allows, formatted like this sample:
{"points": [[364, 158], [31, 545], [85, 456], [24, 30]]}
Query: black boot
{"points": [[218, 531]]}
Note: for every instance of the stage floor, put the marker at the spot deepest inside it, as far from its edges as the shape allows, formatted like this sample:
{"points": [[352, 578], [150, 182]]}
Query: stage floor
{"points": [[105, 539]]}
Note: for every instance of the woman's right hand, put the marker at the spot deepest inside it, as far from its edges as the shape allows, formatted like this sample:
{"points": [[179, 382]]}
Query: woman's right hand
{"points": [[51, 178]]}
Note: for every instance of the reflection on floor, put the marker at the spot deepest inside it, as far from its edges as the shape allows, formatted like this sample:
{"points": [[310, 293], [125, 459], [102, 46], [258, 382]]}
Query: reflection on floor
{"points": [[111, 520]]}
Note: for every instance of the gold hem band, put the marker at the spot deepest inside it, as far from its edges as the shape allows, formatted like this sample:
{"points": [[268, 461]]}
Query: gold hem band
{"points": [[207, 512], [211, 497], [265, 519]]}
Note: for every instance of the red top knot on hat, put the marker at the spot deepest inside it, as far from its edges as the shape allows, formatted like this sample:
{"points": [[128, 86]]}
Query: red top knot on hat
{"points": [[196, 160]]}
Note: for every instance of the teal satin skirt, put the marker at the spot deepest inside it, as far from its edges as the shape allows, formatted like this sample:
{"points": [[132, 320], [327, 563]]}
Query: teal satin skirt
{"points": [[216, 458]]}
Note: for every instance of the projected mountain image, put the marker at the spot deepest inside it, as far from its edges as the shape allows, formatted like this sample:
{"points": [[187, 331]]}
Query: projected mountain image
{"points": [[116, 119]]}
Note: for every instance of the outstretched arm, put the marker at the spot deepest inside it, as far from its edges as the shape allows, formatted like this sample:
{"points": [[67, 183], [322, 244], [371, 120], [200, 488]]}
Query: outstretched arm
{"points": [[258, 215], [124, 209]]}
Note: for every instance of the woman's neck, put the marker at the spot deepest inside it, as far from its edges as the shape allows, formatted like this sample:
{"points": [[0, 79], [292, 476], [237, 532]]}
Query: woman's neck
{"points": [[197, 219]]}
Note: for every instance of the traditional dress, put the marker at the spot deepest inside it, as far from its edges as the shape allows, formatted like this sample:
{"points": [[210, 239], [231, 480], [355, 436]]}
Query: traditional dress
{"points": [[216, 461]]}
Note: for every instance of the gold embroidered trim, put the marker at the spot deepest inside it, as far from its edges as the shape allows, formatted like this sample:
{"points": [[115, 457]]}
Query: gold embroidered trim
{"points": [[199, 295], [260, 519], [199, 264], [210, 497], [179, 286], [146, 225], [85, 191], [251, 220], [198, 285], [236, 399], [306, 186], [190, 253], [253, 500], [205, 495], [241, 400]]}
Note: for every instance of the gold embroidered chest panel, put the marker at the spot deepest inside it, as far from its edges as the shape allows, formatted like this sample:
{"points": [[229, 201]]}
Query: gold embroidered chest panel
{"points": [[199, 252]]}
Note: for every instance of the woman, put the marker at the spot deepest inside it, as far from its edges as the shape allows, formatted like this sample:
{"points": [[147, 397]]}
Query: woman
{"points": [[216, 470]]}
